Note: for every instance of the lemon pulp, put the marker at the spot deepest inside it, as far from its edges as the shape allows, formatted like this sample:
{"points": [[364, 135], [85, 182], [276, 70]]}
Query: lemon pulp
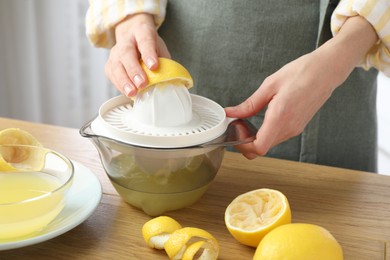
{"points": [[23, 218], [250, 216]]}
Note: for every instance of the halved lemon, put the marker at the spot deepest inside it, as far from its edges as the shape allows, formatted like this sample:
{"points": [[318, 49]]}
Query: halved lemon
{"points": [[250, 216], [187, 242], [299, 241], [17, 136], [168, 71], [157, 231], [17, 151]]}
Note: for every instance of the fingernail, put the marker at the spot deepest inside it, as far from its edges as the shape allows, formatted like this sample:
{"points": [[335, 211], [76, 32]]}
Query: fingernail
{"points": [[129, 90], [138, 80], [150, 62], [230, 109]]}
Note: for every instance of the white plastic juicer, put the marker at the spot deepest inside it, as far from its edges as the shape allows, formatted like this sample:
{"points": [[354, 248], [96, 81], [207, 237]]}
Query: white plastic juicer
{"points": [[162, 150]]}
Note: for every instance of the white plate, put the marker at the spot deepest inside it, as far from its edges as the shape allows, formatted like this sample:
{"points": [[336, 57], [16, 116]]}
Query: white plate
{"points": [[81, 201]]}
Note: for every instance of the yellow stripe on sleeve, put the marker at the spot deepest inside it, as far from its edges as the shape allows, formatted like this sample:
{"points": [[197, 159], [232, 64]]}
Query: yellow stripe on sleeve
{"points": [[139, 5], [103, 15], [121, 8], [367, 8], [383, 21], [376, 12]]}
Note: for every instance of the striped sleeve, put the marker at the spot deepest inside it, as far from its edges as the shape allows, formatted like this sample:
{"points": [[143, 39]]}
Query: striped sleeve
{"points": [[103, 15], [377, 13]]}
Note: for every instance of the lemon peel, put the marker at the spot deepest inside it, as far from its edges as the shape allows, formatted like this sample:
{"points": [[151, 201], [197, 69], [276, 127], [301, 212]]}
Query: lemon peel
{"points": [[209, 251], [179, 243], [250, 216], [157, 231], [182, 239], [168, 71]]}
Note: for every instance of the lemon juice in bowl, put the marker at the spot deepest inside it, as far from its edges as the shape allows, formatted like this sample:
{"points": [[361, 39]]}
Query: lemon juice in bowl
{"points": [[20, 218], [156, 184], [31, 197]]}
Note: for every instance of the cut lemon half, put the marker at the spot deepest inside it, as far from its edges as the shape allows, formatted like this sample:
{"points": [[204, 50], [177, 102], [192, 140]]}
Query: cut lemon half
{"points": [[157, 231], [168, 71], [250, 216], [299, 241], [17, 136], [17, 151], [187, 242]]}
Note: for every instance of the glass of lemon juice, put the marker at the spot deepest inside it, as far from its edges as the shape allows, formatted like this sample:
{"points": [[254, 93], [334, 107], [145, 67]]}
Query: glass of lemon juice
{"points": [[33, 184]]}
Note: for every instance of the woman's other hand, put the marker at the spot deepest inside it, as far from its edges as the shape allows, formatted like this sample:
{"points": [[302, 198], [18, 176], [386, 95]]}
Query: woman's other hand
{"points": [[298, 90]]}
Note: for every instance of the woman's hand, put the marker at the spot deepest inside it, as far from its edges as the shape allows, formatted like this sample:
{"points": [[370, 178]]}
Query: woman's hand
{"points": [[298, 90], [136, 38], [293, 95]]}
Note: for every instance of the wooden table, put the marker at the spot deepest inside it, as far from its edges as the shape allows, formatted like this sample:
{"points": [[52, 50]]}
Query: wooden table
{"points": [[354, 206]]}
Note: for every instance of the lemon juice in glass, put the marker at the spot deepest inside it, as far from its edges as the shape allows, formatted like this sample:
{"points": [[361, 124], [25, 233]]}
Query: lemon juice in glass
{"points": [[33, 184]]}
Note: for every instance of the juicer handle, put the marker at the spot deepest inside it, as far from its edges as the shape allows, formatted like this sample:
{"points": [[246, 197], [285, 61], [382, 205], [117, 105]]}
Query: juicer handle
{"points": [[229, 120], [86, 130], [239, 131]]}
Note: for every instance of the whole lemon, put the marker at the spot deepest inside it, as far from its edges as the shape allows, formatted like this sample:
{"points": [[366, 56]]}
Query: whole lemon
{"points": [[299, 241]]}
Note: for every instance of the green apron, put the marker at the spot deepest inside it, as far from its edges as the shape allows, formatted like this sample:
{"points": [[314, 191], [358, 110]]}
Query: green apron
{"points": [[231, 46]]}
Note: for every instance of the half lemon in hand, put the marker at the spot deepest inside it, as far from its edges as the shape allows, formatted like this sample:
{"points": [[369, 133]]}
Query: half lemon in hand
{"points": [[250, 216], [168, 71]]}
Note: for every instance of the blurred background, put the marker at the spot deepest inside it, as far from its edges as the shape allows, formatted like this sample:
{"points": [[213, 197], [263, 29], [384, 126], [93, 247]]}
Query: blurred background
{"points": [[49, 73], [48, 70]]}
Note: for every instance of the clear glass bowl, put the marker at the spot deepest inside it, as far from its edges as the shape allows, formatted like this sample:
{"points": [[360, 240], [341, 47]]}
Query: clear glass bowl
{"points": [[158, 180], [34, 194]]}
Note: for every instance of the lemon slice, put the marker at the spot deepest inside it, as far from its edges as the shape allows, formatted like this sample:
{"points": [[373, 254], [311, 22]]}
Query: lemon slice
{"points": [[250, 216], [185, 243], [18, 152], [157, 231], [299, 241], [168, 71]]}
